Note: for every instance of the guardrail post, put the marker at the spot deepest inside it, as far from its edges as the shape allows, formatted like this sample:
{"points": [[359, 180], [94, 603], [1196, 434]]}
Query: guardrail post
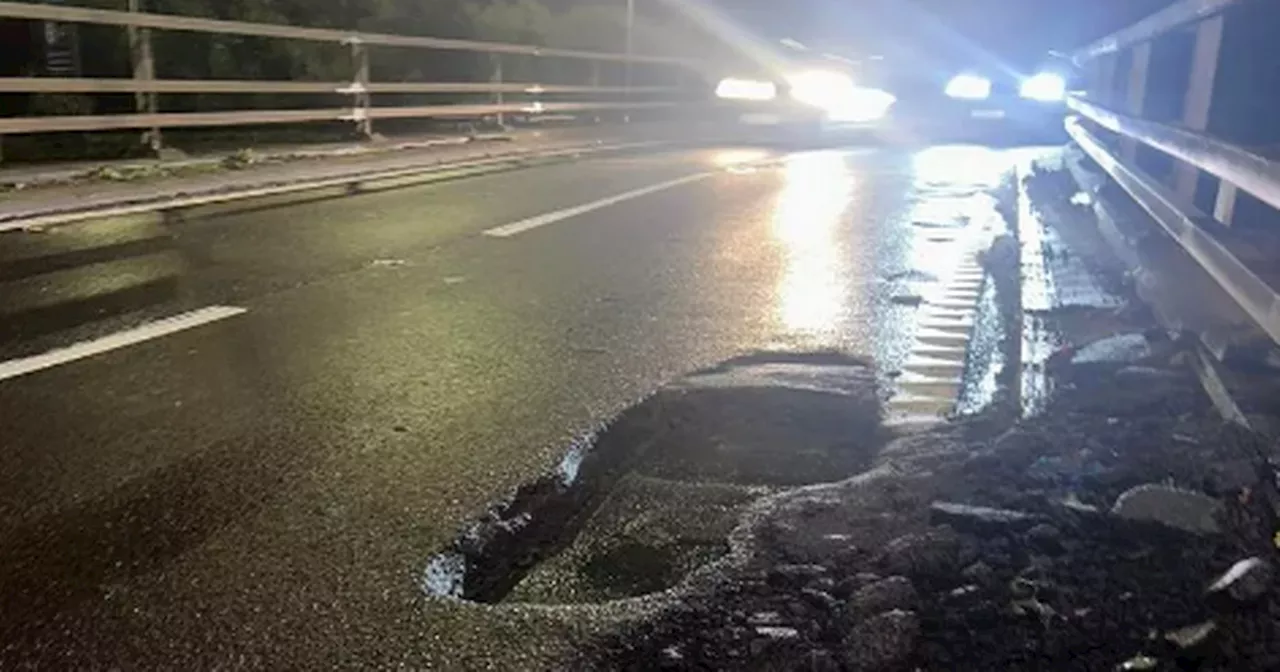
{"points": [[1136, 94], [144, 73], [498, 97], [1199, 100], [360, 98], [1224, 207], [1106, 65]]}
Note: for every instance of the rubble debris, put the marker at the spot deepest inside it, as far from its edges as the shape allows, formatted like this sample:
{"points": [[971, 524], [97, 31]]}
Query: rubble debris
{"points": [[1175, 507], [1246, 581], [978, 519]]}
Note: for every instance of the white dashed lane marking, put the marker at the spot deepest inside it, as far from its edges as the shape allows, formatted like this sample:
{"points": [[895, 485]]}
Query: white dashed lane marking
{"points": [[121, 339]]}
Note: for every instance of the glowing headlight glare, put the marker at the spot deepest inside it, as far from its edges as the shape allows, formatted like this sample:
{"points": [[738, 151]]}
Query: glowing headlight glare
{"points": [[746, 89], [969, 87], [862, 105], [1046, 86], [820, 88]]}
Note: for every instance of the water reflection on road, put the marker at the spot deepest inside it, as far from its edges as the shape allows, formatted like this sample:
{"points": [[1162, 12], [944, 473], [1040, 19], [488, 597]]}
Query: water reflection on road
{"points": [[812, 295]]}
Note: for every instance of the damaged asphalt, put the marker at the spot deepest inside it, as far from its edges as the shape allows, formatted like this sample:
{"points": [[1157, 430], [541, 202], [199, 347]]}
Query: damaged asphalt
{"points": [[1123, 526], [762, 513]]}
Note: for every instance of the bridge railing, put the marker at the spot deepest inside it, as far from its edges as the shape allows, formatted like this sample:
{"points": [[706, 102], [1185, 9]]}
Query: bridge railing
{"points": [[1165, 113], [503, 97]]}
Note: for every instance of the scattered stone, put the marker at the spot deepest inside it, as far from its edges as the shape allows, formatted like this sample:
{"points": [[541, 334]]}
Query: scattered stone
{"points": [[795, 575], [820, 599], [1033, 607], [850, 585], [907, 299], [1073, 502], [1192, 635], [241, 159], [865, 578], [773, 632], [1045, 537], [824, 583], [980, 573], [892, 593], [1119, 349], [1182, 509], [1024, 588], [883, 641], [1246, 581], [929, 553], [765, 618], [979, 519], [1138, 663]]}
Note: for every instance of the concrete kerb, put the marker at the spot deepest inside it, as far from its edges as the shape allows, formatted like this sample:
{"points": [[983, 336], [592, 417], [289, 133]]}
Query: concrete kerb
{"points": [[218, 201]]}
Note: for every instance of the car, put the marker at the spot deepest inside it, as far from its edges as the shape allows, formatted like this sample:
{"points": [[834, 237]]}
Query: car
{"points": [[906, 101], [809, 102]]}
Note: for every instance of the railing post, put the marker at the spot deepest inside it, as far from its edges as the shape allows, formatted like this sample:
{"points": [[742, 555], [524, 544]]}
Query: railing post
{"points": [[144, 73], [1106, 65], [1199, 100], [498, 97], [1136, 95], [360, 98], [1224, 207]]}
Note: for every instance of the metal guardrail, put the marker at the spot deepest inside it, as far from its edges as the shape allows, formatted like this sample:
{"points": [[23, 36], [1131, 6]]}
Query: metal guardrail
{"points": [[362, 112], [106, 17], [1246, 170], [122, 85], [1154, 26], [1188, 227], [246, 117], [1120, 108]]}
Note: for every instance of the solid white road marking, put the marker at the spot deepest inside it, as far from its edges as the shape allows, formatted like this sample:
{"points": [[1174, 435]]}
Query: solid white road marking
{"points": [[170, 325], [515, 228]]}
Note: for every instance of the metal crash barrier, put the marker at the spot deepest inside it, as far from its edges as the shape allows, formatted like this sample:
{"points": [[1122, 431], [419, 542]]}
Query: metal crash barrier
{"points": [[589, 95], [1154, 133]]}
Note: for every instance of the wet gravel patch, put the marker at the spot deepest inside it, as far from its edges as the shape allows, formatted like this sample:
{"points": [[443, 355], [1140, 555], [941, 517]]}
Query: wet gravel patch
{"points": [[1005, 553]]}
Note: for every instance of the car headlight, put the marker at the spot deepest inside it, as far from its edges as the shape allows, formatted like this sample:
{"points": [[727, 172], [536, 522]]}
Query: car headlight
{"points": [[820, 88], [732, 88], [969, 87], [1045, 87]]}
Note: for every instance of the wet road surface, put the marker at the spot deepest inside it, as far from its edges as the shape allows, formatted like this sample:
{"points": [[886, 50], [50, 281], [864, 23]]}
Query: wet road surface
{"points": [[262, 490]]}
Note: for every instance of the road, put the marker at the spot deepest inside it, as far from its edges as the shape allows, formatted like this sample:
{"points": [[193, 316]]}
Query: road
{"points": [[262, 489]]}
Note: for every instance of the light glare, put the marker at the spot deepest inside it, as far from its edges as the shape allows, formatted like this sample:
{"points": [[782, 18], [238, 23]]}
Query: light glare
{"points": [[969, 87], [1046, 87], [732, 88]]}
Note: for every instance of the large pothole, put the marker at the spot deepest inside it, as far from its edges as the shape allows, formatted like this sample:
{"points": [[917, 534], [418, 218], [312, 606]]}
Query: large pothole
{"points": [[639, 505]]}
